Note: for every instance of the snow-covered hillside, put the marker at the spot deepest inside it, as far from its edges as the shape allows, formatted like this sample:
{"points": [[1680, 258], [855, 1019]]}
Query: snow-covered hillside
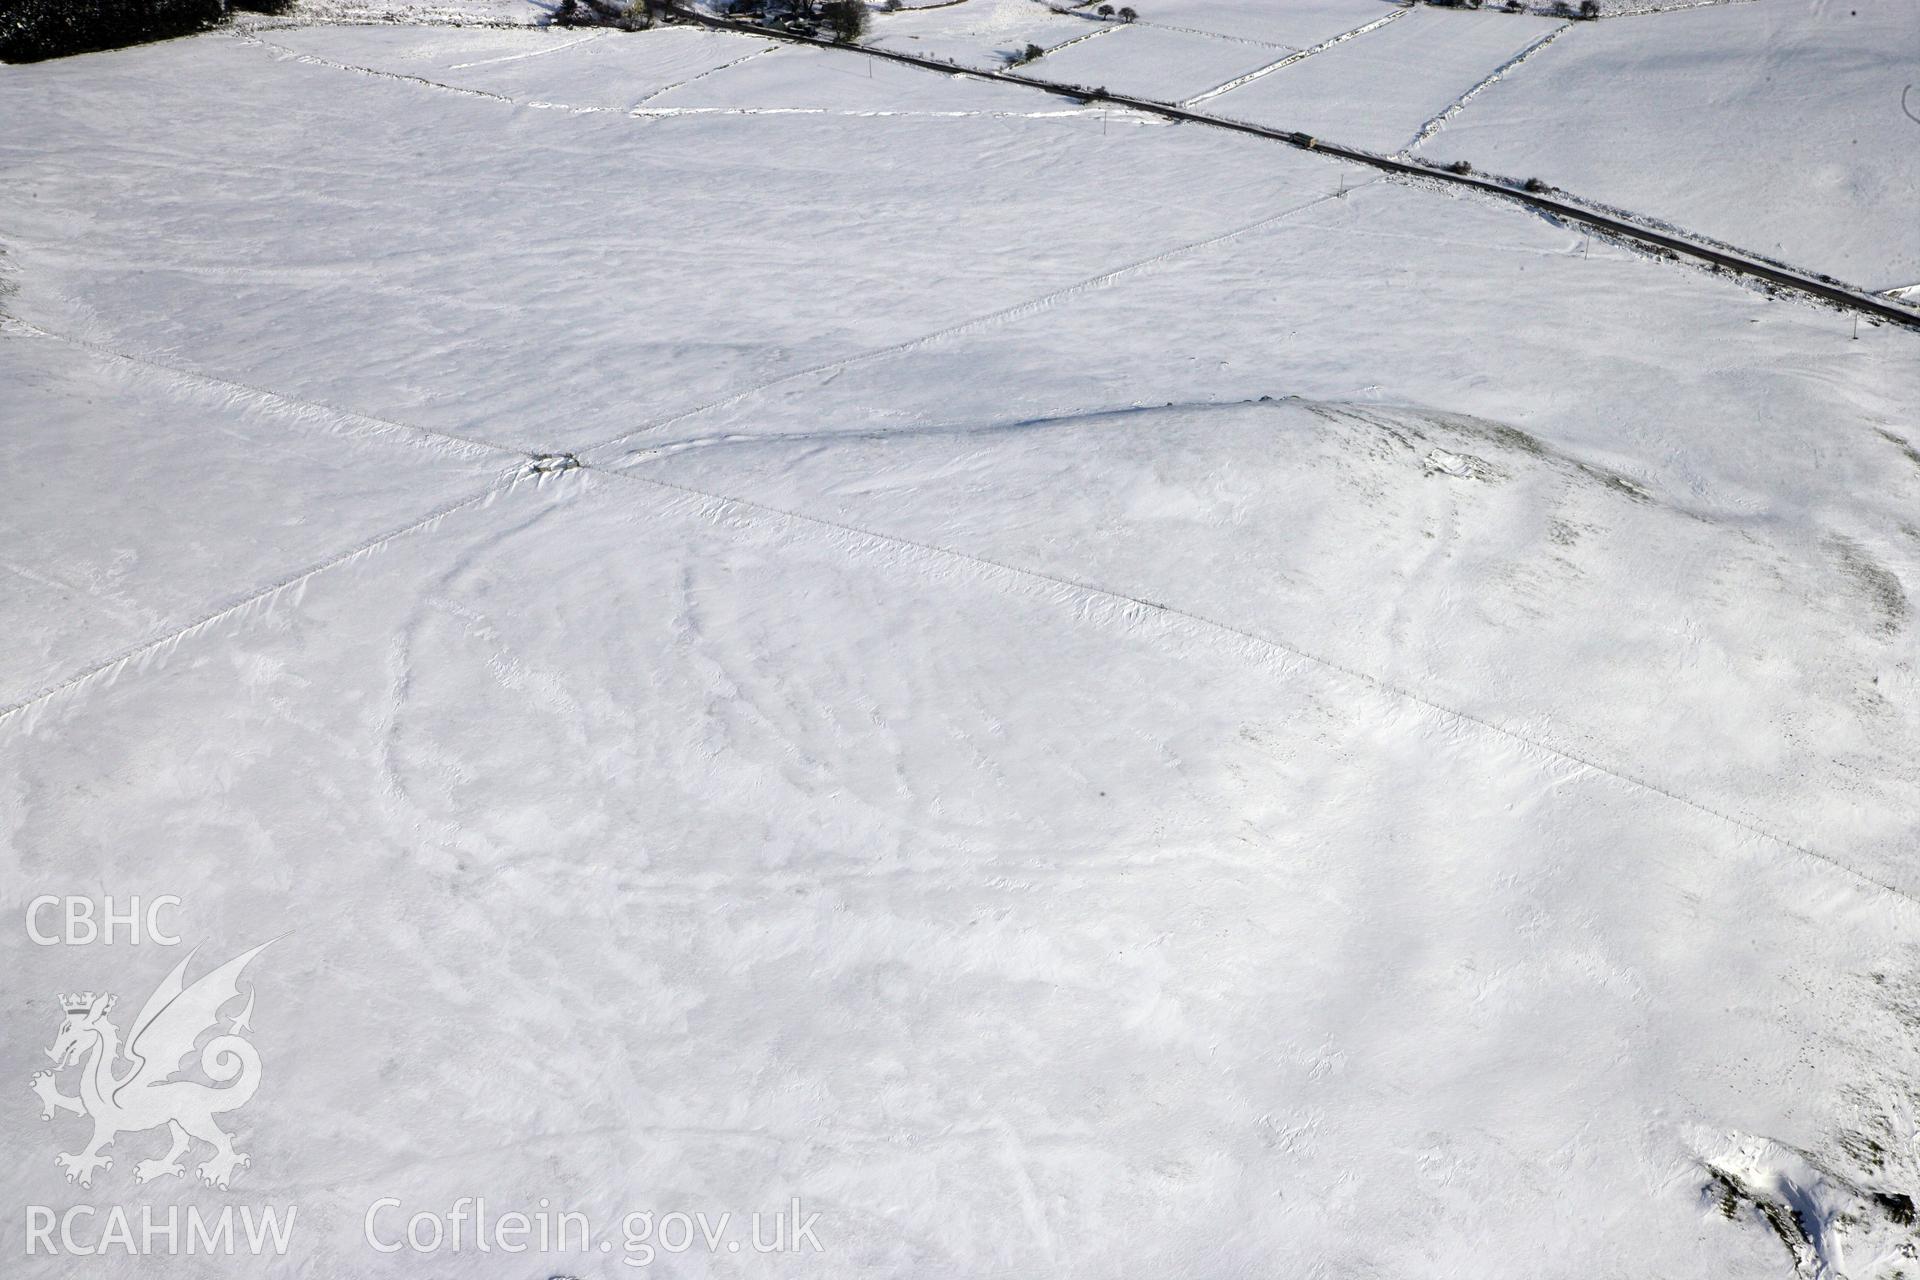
{"points": [[1075, 695]]}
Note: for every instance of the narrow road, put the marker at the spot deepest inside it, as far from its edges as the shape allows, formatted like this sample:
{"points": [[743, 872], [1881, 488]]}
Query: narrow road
{"points": [[1822, 288]]}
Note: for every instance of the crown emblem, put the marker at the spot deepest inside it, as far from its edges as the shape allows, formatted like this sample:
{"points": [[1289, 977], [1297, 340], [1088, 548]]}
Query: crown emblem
{"points": [[81, 1002]]}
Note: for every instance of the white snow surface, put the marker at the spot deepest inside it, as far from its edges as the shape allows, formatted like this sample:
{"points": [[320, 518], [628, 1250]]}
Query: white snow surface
{"points": [[976, 33], [1108, 697], [1787, 127], [1376, 90], [1154, 62], [1295, 24]]}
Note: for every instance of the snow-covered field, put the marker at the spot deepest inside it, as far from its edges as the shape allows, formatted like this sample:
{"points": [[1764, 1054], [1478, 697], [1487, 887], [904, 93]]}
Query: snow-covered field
{"points": [[1105, 698], [1778, 126], [976, 33], [1296, 24], [592, 70], [1154, 62], [1377, 90]]}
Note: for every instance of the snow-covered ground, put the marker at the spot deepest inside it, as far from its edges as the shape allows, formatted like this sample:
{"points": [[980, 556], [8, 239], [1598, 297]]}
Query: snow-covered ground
{"points": [[1778, 126], [1296, 24], [600, 72], [976, 33], [1153, 62], [1399, 76], [1107, 697]]}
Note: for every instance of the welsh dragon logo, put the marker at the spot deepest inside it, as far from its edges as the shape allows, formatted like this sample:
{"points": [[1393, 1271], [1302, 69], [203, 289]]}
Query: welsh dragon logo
{"points": [[144, 1094]]}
